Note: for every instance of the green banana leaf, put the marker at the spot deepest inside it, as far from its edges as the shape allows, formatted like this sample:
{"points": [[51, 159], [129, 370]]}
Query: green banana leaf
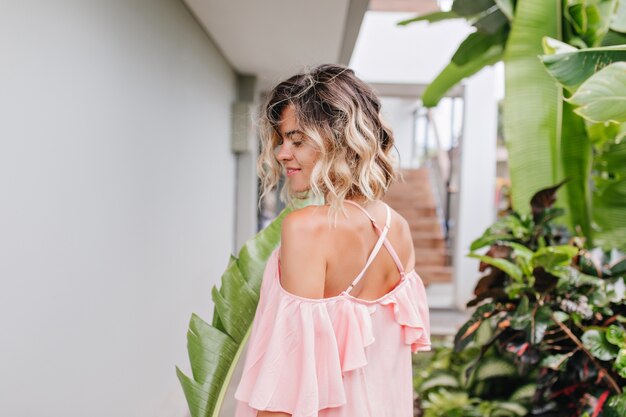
{"points": [[618, 23], [507, 8], [571, 69], [470, 8], [609, 196], [452, 74], [613, 38], [476, 45], [602, 97], [587, 22], [490, 21], [576, 161], [480, 49], [431, 17], [532, 111], [214, 350], [485, 15]]}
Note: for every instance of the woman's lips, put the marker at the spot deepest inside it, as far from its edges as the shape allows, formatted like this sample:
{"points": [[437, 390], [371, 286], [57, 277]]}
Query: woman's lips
{"points": [[291, 172]]}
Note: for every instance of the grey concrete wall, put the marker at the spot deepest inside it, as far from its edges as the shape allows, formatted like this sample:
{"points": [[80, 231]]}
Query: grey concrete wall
{"points": [[117, 189]]}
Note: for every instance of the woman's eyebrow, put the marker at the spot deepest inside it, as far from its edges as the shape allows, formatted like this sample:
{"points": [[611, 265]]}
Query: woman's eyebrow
{"points": [[291, 133]]}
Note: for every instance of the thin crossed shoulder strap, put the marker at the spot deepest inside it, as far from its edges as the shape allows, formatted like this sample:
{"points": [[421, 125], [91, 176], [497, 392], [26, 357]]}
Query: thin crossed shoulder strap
{"points": [[381, 240]]}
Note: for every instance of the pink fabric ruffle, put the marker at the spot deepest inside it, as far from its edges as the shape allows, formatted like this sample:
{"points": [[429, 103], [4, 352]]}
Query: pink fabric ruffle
{"points": [[411, 311], [301, 349]]}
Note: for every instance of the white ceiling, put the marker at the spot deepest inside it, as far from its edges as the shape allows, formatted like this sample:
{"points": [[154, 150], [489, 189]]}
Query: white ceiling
{"points": [[273, 39]]}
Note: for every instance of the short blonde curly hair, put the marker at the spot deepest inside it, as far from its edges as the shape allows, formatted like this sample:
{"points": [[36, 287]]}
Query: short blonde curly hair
{"points": [[340, 114]]}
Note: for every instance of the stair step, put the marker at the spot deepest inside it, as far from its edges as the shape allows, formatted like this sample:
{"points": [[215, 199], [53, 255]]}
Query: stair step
{"points": [[408, 196], [428, 240], [407, 211], [410, 209], [434, 274], [423, 226], [407, 203], [429, 256], [414, 200], [418, 186], [415, 219], [413, 174], [401, 189]]}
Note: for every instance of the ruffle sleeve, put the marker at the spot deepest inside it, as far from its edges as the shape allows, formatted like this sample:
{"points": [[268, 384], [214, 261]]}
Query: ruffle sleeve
{"points": [[301, 351], [410, 308], [293, 363]]}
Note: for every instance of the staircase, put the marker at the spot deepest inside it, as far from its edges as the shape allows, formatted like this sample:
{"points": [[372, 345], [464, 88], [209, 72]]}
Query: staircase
{"points": [[414, 200]]}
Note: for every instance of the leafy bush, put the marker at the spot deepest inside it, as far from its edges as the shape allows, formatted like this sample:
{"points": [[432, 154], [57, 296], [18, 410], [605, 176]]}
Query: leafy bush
{"points": [[550, 318]]}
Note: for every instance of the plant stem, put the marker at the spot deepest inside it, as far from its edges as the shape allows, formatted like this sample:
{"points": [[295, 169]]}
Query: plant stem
{"points": [[582, 347]]}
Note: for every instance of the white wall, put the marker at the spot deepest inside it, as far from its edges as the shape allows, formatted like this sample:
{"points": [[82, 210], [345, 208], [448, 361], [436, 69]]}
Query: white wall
{"points": [[477, 182], [116, 202]]}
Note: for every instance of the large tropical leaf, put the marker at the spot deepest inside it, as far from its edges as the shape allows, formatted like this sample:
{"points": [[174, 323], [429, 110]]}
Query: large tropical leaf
{"points": [[431, 17], [531, 104], [452, 74], [480, 49], [506, 7], [214, 350], [485, 15], [618, 22], [609, 196], [571, 69], [576, 162], [476, 45], [587, 22], [613, 38], [469, 8], [574, 153], [490, 21], [602, 97]]}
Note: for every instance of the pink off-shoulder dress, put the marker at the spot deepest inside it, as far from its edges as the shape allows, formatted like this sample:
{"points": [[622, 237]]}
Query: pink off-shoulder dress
{"points": [[335, 357]]}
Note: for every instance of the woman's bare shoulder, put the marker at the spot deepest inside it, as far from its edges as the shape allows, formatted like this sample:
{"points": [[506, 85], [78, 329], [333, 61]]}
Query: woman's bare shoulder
{"points": [[302, 256]]}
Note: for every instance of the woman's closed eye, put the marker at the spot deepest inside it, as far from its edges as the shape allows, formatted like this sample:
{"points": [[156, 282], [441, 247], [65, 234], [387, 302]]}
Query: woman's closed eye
{"points": [[295, 143]]}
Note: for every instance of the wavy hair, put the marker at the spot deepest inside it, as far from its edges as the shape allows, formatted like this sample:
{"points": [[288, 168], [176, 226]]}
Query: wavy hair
{"points": [[340, 115]]}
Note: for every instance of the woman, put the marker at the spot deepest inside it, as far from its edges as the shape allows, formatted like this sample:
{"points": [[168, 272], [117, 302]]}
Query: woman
{"points": [[338, 317]]}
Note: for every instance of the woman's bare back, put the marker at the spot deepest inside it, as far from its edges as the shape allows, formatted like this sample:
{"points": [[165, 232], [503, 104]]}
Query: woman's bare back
{"points": [[348, 246]]}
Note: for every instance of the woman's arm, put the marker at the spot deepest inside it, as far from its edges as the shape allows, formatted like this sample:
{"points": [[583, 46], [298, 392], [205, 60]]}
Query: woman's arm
{"points": [[301, 264], [302, 258]]}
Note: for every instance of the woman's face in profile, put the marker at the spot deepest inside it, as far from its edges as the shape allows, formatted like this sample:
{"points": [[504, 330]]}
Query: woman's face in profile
{"points": [[295, 152]]}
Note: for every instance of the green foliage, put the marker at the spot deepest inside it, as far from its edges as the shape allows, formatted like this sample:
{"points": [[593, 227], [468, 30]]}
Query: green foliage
{"points": [[596, 78], [616, 338], [616, 406], [596, 343], [531, 107], [481, 48], [574, 67], [618, 21], [602, 97], [587, 21], [557, 315], [453, 73], [548, 127], [214, 350], [432, 17], [494, 387], [548, 336]]}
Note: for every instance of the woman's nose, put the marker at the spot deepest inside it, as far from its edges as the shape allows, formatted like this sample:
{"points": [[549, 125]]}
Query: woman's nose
{"points": [[283, 152]]}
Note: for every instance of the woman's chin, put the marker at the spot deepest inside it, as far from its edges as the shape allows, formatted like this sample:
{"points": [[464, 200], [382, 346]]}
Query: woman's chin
{"points": [[298, 189]]}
